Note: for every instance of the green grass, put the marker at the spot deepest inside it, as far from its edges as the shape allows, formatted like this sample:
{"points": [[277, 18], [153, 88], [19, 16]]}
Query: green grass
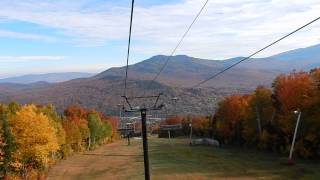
{"points": [[177, 158]]}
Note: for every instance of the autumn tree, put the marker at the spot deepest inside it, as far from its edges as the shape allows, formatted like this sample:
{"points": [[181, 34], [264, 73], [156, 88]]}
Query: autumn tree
{"points": [[13, 107], [55, 122], [34, 137], [112, 124], [259, 114], [107, 131], [73, 136], [2, 155], [201, 126], [231, 112], [96, 128], [265, 118], [75, 124], [308, 143], [294, 91]]}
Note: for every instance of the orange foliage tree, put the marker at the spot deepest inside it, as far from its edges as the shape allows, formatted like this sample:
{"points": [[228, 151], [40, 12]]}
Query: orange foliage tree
{"points": [[76, 127], [266, 117], [233, 110]]}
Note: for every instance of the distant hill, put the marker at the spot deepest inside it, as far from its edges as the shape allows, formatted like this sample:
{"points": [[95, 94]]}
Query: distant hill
{"points": [[50, 77], [103, 90], [185, 71], [298, 59]]}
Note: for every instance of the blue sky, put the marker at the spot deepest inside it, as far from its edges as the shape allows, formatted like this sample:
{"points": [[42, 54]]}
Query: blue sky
{"points": [[43, 36]]}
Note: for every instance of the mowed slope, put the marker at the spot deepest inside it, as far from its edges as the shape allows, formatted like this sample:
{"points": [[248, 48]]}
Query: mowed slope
{"points": [[112, 161], [176, 160]]}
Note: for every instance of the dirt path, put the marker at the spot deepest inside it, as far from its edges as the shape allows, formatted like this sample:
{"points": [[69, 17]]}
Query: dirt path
{"points": [[111, 161]]}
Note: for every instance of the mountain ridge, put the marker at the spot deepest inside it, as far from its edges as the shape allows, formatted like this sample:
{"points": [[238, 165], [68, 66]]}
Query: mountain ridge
{"points": [[103, 90], [47, 77]]}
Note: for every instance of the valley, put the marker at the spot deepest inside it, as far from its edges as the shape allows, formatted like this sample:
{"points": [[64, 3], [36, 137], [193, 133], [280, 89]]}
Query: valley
{"points": [[103, 90]]}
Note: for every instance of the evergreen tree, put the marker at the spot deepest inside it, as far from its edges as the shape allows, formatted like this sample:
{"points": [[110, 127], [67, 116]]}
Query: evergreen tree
{"points": [[9, 146]]}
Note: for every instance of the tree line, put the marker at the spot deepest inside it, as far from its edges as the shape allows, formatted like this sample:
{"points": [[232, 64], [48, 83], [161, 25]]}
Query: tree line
{"points": [[34, 137], [265, 118]]}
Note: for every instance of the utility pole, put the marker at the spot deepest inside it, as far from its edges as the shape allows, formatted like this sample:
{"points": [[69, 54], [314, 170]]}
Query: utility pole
{"points": [[175, 99], [295, 134], [190, 132], [128, 133]]}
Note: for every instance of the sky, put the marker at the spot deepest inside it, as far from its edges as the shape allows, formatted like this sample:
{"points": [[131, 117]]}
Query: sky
{"points": [[45, 36]]}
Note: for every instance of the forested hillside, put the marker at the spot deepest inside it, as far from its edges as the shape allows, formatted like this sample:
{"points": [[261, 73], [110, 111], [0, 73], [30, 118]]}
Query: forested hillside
{"points": [[103, 91], [32, 138], [266, 118]]}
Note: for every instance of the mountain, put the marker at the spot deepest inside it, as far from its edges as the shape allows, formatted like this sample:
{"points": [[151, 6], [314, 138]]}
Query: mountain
{"points": [[299, 59], [103, 90], [186, 71], [50, 77], [309, 53]]}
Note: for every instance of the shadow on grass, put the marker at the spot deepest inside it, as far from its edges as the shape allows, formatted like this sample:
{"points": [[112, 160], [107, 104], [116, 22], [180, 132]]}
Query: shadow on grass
{"points": [[177, 157]]}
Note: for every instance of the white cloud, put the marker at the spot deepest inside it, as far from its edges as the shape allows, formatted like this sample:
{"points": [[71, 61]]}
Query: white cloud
{"points": [[18, 35], [225, 29], [9, 59]]}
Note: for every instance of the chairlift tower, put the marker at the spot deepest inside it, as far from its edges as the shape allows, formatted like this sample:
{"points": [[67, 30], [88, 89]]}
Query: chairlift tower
{"points": [[143, 111]]}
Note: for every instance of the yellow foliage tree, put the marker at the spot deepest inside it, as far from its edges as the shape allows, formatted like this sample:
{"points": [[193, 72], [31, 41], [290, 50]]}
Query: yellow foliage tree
{"points": [[2, 144], [35, 138], [56, 123]]}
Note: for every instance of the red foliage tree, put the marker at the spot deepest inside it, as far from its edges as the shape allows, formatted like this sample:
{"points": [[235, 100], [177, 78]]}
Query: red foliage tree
{"points": [[77, 117], [294, 91], [232, 111]]}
